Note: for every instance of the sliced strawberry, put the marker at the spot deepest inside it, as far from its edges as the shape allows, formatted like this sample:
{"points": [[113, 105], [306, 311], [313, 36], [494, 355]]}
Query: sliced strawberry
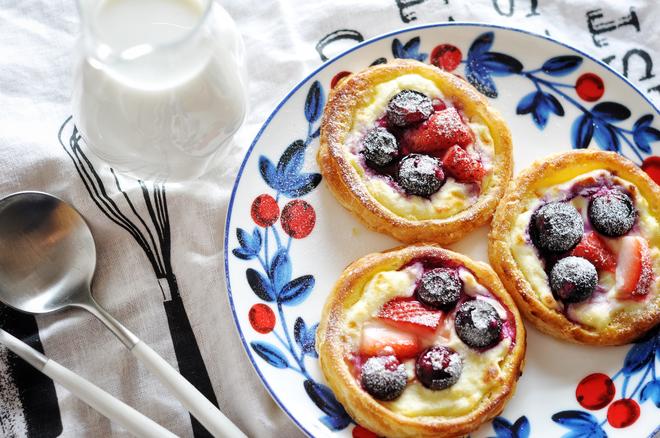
{"points": [[442, 130], [462, 166], [634, 271], [380, 339], [408, 314], [438, 105], [592, 248]]}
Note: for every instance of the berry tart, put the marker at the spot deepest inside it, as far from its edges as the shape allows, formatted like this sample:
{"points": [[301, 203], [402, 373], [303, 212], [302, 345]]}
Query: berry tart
{"points": [[414, 152], [420, 341], [576, 241]]}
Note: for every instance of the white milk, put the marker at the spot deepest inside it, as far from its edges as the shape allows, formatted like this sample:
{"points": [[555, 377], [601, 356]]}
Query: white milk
{"points": [[156, 93], [126, 23]]}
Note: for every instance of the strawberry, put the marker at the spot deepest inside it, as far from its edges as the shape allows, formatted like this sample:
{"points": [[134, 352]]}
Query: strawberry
{"points": [[634, 271], [462, 166], [592, 248], [438, 105], [441, 131], [410, 315], [379, 339]]}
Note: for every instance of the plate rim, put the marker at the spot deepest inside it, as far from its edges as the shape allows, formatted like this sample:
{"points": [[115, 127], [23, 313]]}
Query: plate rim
{"points": [[299, 85]]}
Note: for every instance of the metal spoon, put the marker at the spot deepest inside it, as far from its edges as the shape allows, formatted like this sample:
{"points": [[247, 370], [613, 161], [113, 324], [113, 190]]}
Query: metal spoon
{"points": [[47, 261]]}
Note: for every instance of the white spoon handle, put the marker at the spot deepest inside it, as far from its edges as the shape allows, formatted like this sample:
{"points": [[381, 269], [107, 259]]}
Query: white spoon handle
{"points": [[198, 405], [114, 409], [117, 411]]}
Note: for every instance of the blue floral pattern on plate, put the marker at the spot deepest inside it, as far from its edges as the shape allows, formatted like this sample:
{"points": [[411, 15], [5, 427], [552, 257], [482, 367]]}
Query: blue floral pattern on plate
{"points": [[273, 283], [601, 122], [270, 272]]}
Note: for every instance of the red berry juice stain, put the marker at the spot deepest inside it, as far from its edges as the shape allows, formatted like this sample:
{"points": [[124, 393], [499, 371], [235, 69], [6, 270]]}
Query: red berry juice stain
{"points": [[298, 219], [589, 87], [446, 57], [361, 432], [338, 77], [595, 391], [264, 210], [651, 166], [262, 318], [622, 413]]}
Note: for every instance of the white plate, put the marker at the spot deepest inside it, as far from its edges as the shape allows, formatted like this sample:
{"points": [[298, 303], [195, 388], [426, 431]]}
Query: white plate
{"points": [[278, 284]]}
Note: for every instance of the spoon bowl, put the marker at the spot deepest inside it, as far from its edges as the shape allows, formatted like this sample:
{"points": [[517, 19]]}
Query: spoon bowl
{"points": [[47, 262], [47, 253]]}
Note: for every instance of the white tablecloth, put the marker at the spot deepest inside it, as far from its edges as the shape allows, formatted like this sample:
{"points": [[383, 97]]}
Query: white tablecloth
{"points": [[178, 296]]}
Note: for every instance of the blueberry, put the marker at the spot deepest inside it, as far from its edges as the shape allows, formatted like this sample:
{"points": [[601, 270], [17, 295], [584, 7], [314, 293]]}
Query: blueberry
{"points": [[573, 279], [440, 288], [556, 227], [420, 175], [408, 107], [379, 147], [439, 367], [384, 377], [478, 324], [612, 213]]}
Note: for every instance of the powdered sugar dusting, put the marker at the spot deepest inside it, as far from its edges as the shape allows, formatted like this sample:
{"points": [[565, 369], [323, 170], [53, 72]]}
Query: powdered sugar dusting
{"points": [[380, 148], [408, 107], [384, 377], [439, 367], [478, 324], [449, 125], [556, 226], [612, 213], [440, 288], [420, 175], [573, 279]]}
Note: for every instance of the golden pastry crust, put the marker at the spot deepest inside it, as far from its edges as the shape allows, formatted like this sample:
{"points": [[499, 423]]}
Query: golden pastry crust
{"points": [[350, 191], [358, 403], [625, 326]]}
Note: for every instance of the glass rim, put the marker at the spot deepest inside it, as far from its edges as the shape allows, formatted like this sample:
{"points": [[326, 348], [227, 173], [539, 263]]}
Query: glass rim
{"points": [[105, 51]]}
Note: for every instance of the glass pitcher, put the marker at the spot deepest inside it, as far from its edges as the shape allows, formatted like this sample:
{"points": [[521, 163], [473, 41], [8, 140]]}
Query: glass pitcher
{"points": [[159, 85]]}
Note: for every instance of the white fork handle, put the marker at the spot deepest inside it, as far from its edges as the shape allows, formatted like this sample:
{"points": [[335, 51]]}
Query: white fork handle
{"points": [[117, 411], [199, 406]]}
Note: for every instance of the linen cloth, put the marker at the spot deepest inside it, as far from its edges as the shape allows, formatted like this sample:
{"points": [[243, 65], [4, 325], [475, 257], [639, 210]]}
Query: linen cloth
{"points": [[148, 295]]}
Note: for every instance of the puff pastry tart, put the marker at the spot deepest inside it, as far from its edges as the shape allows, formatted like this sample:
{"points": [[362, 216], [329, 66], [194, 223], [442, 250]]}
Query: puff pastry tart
{"points": [[421, 342], [576, 241], [414, 152]]}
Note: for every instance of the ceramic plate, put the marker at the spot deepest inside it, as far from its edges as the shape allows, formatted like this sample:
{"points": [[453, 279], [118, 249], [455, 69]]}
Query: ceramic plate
{"points": [[288, 240]]}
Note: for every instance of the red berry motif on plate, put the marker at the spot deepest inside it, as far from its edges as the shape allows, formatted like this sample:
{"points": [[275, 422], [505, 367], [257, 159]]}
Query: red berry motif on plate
{"points": [[265, 210], [595, 391], [651, 165], [338, 77], [589, 87], [623, 413], [446, 57], [298, 219], [362, 432], [270, 276], [262, 318]]}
